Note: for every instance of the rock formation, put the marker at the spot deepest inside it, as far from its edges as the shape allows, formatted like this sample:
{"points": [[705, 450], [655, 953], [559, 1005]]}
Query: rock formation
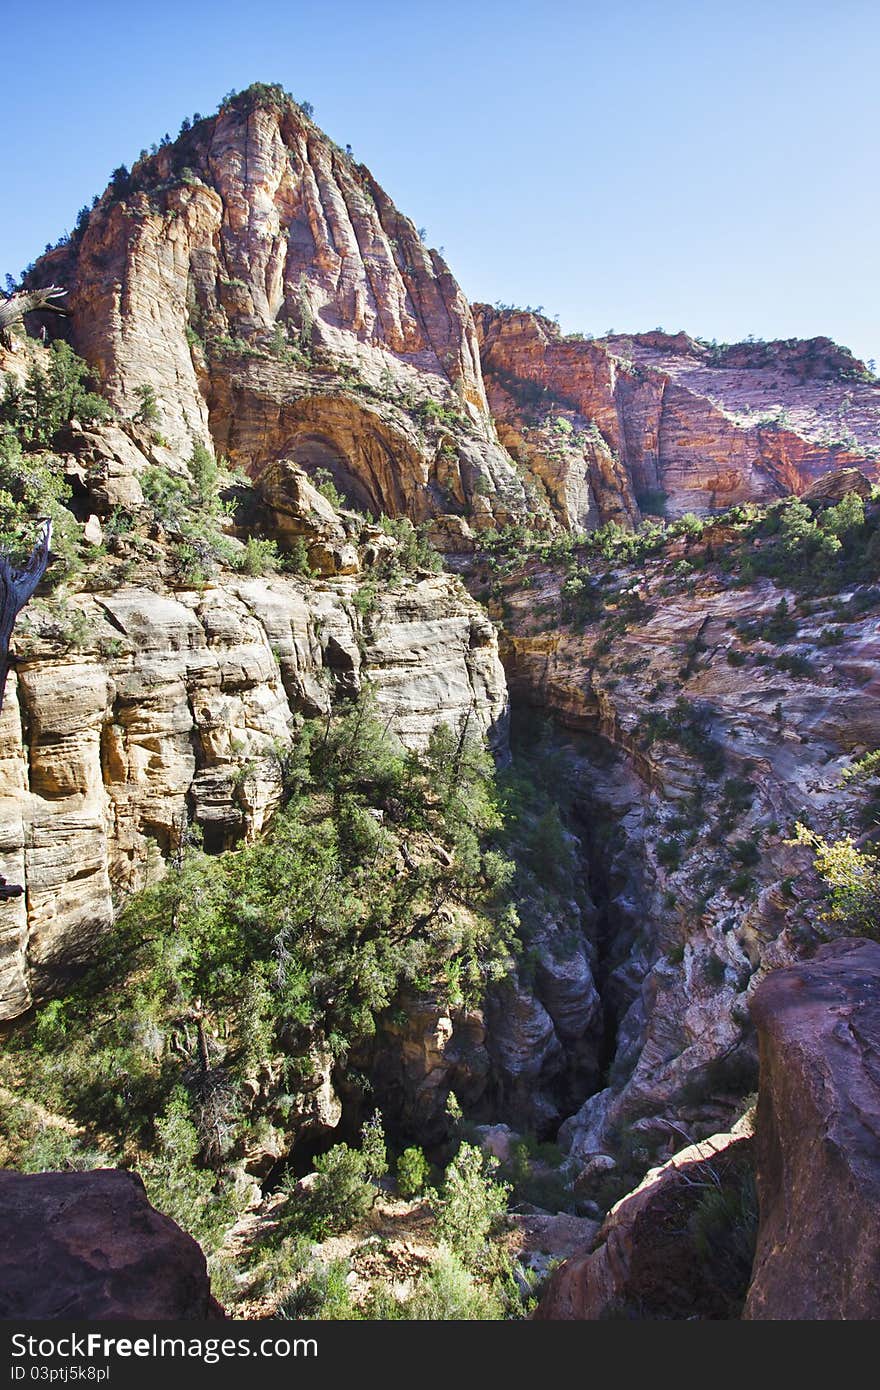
{"points": [[90, 1246], [178, 702], [250, 291], [654, 421], [528, 1055], [686, 930], [818, 1138], [274, 300], [815, 1158], [659, 1253]]}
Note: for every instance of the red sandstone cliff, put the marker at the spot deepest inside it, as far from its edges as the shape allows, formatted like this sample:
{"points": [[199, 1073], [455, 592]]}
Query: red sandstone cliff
{"points": [[607, 425], [264, 286], [274, 299]]}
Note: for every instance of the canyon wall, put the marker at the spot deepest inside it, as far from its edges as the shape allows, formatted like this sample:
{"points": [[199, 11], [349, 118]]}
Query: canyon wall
{"points": [[691, 753], [252, 288], [654, 421], [178, 702], [804, 1245]]}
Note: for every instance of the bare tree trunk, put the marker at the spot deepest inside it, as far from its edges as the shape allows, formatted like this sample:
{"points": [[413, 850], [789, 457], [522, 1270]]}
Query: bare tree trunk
{"points": [[27, 302], [204, 1055], [16, 587]]}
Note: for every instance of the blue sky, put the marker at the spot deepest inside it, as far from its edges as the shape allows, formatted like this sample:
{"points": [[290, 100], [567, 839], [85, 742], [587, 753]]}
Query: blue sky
{"points": [[687, 165]]}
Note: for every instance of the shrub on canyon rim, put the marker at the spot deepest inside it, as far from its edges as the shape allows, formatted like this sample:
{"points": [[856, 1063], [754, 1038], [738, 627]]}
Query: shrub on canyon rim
{"points": [[852, 880], [470, 1205], [54, 393], [413, 1171], [344, 1188], [33, 415]]}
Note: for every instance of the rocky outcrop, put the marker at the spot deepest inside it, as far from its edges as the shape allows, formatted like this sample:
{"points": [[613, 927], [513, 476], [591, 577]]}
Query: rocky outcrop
{"points": [[90, 1246], [264, 287], [833, 487], [661, 422], [693, 752], [679, 1246], [818, 1138], [422, 1053], [546, 1030], [258, 281], [133, 707], [542, 1239], [530, 1054]]}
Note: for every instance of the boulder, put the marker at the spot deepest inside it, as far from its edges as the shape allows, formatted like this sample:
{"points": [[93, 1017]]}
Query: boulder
{"points": [[541, 1239], [833, 486], [677, 1247], [818, 1138], [295, 506], [90, 1245]]}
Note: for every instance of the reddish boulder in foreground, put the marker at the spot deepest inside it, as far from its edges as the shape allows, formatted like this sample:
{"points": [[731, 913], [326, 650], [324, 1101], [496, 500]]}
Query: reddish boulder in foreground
{"points": [[678, 1246], [89, 1245], [818, 1138]]}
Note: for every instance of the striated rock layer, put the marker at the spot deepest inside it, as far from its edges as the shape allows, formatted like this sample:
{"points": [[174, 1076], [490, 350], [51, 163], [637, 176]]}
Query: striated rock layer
{"points": [[176, 702], [654, 421], [274, 299], [818, 1138]]}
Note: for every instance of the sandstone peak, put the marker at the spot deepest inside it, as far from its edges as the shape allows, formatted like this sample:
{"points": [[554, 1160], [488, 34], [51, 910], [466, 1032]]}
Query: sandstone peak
{"points": [[262, 285]]}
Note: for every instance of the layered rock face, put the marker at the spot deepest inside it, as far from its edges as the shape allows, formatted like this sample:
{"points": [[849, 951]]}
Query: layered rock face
{"points": [[612, 427], [176, 703], [89, 1245], [693, 754], [274, 299], [818, 1138]]}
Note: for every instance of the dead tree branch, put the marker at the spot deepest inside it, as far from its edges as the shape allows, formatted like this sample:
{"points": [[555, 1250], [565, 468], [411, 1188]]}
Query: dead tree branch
{"points": [[16, 587], [13, 309]]}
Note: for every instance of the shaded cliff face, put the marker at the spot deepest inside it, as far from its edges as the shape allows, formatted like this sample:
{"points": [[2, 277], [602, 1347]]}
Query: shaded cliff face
{"points": [[701, 727], [612, 427], [269, 292]]}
